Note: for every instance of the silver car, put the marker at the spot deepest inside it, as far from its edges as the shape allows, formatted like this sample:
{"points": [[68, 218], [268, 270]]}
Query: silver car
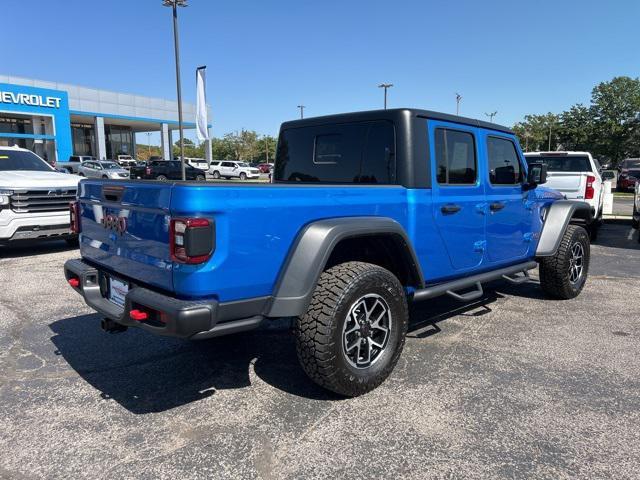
{"points": [[102, 169]]}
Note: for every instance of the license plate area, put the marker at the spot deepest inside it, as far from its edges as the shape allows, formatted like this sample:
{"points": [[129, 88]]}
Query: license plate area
{"points": [[117, 290]]}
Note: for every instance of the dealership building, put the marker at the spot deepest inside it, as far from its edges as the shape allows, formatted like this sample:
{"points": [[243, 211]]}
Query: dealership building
{"points": [[57, 120]]}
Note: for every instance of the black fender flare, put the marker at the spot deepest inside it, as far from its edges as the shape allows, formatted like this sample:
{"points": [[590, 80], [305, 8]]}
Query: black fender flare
{"points": [[311, 251], [558, 217]]}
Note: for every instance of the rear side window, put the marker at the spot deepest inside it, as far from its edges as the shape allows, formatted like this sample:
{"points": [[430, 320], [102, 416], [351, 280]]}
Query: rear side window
{"points": [[357, 152], [455, 157], [504, 164]]}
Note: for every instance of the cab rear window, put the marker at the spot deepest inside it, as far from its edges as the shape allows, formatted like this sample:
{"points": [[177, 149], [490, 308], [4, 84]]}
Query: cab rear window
{"points": [[562, 163], [356, 152]]}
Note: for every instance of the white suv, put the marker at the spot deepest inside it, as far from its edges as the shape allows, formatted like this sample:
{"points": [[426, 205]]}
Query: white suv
{"points": [[230, 169], [34, 198]]}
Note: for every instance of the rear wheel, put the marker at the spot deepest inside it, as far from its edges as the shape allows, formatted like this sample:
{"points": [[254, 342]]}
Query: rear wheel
{"points": [[564, 275], [216, 174], [161, 178], [200, 178], [353, 333]]}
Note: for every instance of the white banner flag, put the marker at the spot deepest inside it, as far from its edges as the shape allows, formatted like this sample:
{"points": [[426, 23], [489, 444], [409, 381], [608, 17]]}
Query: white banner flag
{"points": [[201, 105]]}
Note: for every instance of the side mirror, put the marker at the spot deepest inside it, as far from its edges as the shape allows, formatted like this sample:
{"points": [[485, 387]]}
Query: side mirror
{"points": [[537, 174]]}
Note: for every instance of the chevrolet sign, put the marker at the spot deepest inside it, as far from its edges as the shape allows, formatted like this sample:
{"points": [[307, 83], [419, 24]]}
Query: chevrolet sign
{"points": [[30, 99]]}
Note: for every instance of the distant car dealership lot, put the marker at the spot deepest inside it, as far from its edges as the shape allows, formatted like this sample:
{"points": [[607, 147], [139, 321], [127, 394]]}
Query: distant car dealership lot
{"points": [[509, 386]]}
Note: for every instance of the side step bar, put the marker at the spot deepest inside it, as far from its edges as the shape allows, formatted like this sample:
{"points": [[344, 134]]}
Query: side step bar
{"points": [[450, 288]]}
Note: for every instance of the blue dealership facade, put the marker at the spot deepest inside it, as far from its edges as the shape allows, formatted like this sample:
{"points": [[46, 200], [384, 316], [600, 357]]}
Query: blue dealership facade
{"points": [[57, 120]]}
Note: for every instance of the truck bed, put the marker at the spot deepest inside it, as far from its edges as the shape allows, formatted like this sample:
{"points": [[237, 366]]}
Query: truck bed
{"points": [[262, 219]]}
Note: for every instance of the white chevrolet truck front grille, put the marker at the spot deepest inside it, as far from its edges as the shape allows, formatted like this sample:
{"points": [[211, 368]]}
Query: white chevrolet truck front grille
{"points": [[46, 200]]}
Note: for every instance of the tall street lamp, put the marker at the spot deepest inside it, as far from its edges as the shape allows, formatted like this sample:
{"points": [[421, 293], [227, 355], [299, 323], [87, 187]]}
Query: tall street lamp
{"points": [[301, 107], [386, 86], [491, 115], [174, 4], [458, 99]]}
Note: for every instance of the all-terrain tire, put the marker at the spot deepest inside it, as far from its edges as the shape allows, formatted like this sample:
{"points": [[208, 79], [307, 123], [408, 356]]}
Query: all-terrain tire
{"points": [[556, 271], [320, 332]]}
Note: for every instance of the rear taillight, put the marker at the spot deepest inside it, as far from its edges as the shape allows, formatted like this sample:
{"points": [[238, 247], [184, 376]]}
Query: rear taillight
{"points": [[191, 240], [74, 217], [589, 191], [148, 171]]}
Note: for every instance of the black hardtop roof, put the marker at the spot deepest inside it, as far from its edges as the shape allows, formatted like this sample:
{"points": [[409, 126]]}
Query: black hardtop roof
{"points": [[394, 114]]}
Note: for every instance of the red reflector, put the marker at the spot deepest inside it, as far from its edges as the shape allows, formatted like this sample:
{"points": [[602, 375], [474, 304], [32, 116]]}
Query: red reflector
{"points": [[138, 315], [74, 282]]}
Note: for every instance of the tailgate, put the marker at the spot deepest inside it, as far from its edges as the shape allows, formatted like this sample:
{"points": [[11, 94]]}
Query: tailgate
{"points": [[572, 184], [124, 227]]}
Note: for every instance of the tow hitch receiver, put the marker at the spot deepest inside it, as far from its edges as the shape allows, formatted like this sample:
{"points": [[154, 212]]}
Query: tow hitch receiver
{"points": [[110, 326]]}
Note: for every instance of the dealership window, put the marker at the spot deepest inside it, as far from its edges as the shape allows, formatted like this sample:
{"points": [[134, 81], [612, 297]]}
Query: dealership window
{"points": [[119, 140], [83, 139], [16, 125]]}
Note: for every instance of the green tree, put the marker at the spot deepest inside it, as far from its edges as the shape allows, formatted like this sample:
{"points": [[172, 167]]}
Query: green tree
{"points": [[539, 132], [616, 106], [266, 149], [577, 129]]}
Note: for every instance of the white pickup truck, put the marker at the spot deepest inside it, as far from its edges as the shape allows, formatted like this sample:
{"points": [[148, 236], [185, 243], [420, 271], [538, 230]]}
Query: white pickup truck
{"points": [[577, 176], [34, 198]]}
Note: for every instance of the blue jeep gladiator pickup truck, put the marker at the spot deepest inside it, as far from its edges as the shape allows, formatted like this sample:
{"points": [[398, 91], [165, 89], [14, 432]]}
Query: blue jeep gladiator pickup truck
{"points": [[366, 213]]}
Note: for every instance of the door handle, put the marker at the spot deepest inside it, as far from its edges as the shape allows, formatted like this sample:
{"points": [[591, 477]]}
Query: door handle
{"points": [[450, 209], [496, 206]]}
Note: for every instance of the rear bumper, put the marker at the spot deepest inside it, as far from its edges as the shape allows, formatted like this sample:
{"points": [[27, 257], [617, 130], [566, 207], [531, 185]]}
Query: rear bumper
{"points": [[169, 316]]}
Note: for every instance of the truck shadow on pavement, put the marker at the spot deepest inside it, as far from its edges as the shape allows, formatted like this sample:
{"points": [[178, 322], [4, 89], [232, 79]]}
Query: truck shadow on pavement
{"points": [[146, 373]]}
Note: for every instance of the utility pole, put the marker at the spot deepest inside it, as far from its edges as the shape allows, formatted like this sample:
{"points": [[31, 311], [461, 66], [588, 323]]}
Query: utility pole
{"points": [[301, 107], [386, 86], [491, 115], [458, 98], [174, 4], [549, 137], [266, 148], [526, 141]]}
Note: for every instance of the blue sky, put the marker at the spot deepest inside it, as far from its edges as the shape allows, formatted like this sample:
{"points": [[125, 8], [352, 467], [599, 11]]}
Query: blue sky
{"points": [[266, 57]]}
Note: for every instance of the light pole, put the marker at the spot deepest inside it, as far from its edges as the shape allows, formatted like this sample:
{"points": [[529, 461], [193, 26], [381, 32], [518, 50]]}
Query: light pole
{"points": [[386, 86], [491, 115], [549, 137], [301, 107], [149, 143], [174, 4], [266, 149], [458, 98]]}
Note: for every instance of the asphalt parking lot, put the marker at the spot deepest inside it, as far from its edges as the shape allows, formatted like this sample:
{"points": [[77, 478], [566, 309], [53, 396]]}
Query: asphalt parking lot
{"points": [[512, 386]]}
